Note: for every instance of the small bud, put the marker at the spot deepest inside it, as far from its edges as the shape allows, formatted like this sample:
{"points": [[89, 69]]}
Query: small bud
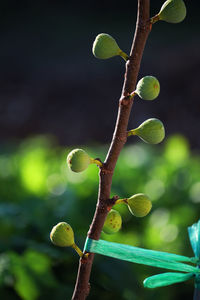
{"points": [[148, 88], [78, 160], [151, 131], [139, 205], [62, 235], [105, 47], [113, 222], [172, 11]]}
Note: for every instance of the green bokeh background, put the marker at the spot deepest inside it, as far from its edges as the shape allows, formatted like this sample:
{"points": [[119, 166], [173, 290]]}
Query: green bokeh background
{"points": [[38, 190]]}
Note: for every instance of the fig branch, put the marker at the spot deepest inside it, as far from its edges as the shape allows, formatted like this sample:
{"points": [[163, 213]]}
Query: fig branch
{"points": [[104, 202], [150, 131]]}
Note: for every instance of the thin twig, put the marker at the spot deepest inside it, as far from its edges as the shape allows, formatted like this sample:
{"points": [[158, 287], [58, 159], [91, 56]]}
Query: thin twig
{"points": [[196, 294], [82, 287], [197, 287]]}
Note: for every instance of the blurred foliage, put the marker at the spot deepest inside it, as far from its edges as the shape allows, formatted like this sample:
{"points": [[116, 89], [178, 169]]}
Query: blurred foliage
{"points": [[37, 191]]}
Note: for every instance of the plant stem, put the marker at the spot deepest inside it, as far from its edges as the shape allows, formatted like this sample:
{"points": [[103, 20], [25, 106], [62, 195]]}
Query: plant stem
{"points": [[121, 201], [196, 294], [97, 162], [104, 202], [197, 287], [131, 132], [123, 55], [155, 19], [78, 250]]}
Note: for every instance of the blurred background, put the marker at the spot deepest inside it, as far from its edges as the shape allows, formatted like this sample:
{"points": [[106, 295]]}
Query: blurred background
{"points": [[55, 96]]}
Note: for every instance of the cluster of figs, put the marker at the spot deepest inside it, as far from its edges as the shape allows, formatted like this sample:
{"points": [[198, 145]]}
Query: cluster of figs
{"points": [[150, 131]]}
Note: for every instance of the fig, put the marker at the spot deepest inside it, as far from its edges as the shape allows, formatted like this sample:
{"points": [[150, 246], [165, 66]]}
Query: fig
{"points": [[113, 222], [148, 88], [172, 11], [62, 235], [105, 47], [139, 205], [78, 160], [151, 131]]}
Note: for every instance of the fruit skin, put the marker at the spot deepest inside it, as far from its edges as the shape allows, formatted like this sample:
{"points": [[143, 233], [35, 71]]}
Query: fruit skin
{"points": [[78, 160], [151, 131], [105, 46], [148, 88], [139, 205], [62, 235], [113, 222], [173, 11]]}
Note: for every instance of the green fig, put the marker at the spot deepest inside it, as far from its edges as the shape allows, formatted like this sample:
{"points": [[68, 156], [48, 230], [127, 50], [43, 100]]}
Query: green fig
{"points": [[151, 131], [113, 222], [148, 88], [139, 205], [172, 11], [78, 160], [62, 235], [105, 46]]}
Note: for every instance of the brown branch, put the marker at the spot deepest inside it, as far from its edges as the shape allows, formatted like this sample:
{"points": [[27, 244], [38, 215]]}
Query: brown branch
{"points": [[119, 138]]}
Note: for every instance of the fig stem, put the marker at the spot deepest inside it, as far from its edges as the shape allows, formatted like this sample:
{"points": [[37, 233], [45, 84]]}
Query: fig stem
{"points": [[97, 162], [131, 132], [78, 250], [123, 55], [155, 19], [133, 94], [121, 201]]}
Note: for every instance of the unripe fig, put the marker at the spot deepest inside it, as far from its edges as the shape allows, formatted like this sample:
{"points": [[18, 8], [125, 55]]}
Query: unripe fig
{"points": [[172, 11], [151, 131], [148, 88], [113, 222], [78, 160], [105, 46], [62, 235], [139, 205]]}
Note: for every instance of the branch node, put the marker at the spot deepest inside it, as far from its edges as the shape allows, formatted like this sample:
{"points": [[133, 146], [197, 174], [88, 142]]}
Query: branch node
{"points": [[126, 100], [115, 198], [111, 202], [84, 259], [144, 25]]}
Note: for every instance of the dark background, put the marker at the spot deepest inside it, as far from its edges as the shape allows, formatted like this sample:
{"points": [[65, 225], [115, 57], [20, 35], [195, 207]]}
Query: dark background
{"points": [[51, 83]]}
